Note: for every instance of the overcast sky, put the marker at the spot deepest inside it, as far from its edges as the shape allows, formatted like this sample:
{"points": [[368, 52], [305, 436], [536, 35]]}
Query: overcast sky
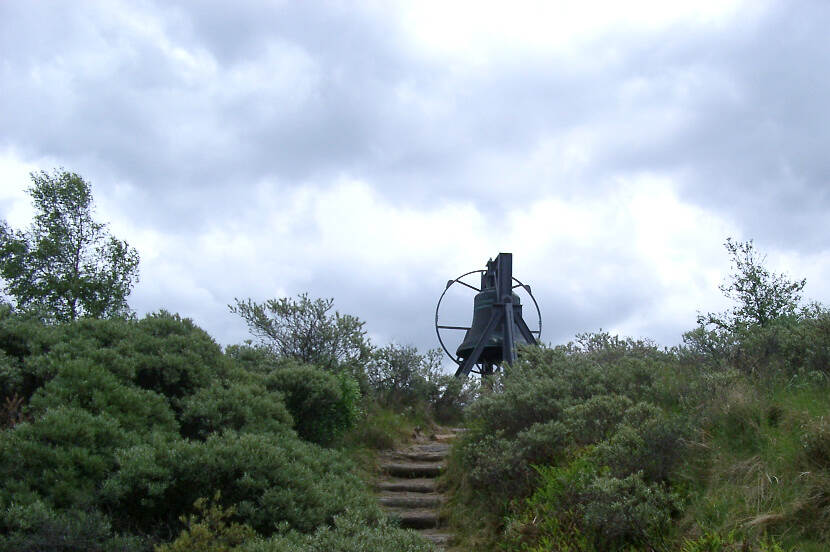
{"points": [[371, 151]]}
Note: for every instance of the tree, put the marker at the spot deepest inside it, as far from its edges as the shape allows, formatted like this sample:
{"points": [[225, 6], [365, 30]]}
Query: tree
{"points": [[66, 265], [761, 296], [304, 330]]}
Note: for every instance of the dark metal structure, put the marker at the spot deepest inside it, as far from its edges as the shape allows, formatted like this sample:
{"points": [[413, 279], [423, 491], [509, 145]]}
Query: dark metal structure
{"points": [[497, 324]]}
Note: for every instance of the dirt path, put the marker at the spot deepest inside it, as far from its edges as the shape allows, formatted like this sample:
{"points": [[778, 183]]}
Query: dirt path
{"points": [[407, 484]]}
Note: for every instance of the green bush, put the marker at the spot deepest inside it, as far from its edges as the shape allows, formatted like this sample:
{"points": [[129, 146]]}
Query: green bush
{"points": [[125, 423], [302, 329], [596, 418], [503, 468], [81, 384], [454, 395], [618, 512], [555, 401], [63, 456], [652, 448], [21, 338], [35, 527], [256, 359], [403, 379], [238, 406], [161, 352], [581, 507], [174, 357], [349, 534], [270, 479], [323, 405], [584, 431]]}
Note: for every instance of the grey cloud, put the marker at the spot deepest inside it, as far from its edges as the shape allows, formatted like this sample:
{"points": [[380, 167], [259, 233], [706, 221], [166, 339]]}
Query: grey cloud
{"points": [[734, 115]]}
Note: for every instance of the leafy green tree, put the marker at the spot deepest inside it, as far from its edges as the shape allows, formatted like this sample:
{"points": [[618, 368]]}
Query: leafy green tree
{"points": [[761, 296], [66, 265], [304, 329]]}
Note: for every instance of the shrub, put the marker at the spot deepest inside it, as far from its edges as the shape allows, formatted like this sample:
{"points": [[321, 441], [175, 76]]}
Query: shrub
{"points": [[35, 527], [63, 456], [454, 395], [256, 359], [323, 405], [162, 352], [581, 507], [379, 429], [596, 418], [270, 479], [623, 511], [349, 534], [652, 448], [22, 337], [528, 397], [174, 357], [400, 376], [503, 468], [81, 384], [238, 406]]}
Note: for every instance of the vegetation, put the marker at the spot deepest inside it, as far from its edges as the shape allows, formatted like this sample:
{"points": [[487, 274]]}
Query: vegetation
{"points": [[614, 444], [143, 434], [129, 423], [304, 330], [66, 265]]}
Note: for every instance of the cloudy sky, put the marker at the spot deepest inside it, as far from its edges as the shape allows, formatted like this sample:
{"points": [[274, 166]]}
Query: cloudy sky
{"points": [[370, 151]]}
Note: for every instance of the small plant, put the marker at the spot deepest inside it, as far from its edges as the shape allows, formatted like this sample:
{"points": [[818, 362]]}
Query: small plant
{"points": [[12, 412], [210, 529]]}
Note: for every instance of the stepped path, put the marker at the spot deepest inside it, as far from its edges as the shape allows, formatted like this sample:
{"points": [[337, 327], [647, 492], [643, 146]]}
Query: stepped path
{"points": [[407, 485]]}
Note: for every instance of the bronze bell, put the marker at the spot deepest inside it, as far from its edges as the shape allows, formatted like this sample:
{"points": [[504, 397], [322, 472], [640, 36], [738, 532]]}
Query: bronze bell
{"points": [[483, 306]]}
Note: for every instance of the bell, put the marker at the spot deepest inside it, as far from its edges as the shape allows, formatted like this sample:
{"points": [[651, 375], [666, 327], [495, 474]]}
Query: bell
{"points": [[483, 305]]}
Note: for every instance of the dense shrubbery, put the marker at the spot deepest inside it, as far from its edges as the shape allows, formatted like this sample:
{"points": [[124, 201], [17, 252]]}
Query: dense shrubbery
{"points": [[271, 480], [622, 445], [589, 412], [120, 426]]}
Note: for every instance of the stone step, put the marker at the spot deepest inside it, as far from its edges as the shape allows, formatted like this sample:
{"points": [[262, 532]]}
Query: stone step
{"points": [[412, 485], [417, 455], [410, 500], [412, 470], [430, 447], [437, 537], [415, 518]]}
